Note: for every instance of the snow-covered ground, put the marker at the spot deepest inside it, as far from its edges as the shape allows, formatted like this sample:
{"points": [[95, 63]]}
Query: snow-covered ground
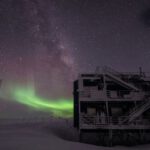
{"points": [[47, 135]]}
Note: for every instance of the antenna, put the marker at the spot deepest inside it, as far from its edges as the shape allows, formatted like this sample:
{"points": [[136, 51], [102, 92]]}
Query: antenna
{"points": [[142, 74], [97, 71]]}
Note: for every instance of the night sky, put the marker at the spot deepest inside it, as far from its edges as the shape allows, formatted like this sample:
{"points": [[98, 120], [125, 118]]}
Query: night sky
{"points": [[46, 43]]}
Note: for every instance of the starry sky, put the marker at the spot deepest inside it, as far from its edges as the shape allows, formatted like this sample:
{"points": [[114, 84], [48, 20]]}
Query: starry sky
{"points": [[46, 43]]}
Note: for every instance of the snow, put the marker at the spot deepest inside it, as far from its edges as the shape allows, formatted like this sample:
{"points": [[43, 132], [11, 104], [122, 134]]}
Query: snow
{"points": [[47, 135]]}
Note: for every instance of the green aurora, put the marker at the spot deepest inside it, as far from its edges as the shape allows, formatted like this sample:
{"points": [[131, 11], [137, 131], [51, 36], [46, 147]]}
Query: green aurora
{"points": [[57, 107]]}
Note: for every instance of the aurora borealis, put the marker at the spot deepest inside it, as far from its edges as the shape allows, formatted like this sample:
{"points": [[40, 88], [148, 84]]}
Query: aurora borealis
{"points": [[57, 107], [49, 42]]}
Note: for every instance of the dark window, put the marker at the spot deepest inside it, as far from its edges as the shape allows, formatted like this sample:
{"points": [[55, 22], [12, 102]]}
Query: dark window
{"points": [[96, 82], [87, 82]]}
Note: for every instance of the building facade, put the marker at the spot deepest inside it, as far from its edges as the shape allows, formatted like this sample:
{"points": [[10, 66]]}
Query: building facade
{"points": [[114, 104]]}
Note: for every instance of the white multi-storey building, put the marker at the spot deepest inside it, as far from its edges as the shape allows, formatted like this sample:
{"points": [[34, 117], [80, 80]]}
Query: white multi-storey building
{"points": [[114, 104]]}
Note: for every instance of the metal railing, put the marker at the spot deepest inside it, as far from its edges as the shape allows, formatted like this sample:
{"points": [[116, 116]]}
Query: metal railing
{"points": [[94, 92], [98, 120], [112, 71], [91, 92]]}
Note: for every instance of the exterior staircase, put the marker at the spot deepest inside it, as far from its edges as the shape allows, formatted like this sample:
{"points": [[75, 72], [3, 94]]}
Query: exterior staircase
{"points": [[115, 76], [137, 111]]}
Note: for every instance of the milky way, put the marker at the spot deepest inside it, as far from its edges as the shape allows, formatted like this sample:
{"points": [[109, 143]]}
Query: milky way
{"points": [[40, 52], [46, 43]]}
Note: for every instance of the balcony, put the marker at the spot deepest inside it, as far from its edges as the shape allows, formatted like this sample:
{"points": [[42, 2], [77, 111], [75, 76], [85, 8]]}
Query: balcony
{"points": [[107, 122], [100, 95]]}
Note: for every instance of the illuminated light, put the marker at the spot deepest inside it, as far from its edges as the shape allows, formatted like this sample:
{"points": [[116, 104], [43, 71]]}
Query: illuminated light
{"points": [[58, 107]]}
